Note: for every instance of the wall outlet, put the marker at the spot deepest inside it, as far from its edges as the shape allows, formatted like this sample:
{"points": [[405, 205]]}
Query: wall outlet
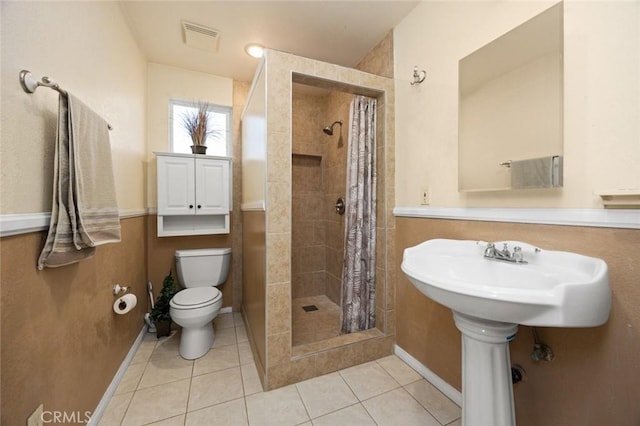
{"points": [[35, 419], [424, 196]]}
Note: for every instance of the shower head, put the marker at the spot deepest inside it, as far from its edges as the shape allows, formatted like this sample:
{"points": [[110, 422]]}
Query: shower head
{"points": [[329, 129]]}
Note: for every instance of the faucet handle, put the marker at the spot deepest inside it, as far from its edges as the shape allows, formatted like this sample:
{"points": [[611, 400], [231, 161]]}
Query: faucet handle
{"points": [[517, 254]]}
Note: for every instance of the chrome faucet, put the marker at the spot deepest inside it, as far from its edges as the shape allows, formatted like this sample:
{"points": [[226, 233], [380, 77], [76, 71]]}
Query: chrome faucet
{"points": [[491, 252]]}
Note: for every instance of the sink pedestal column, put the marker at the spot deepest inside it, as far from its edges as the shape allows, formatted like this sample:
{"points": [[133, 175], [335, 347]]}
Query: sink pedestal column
{"points": [[487, 391]]}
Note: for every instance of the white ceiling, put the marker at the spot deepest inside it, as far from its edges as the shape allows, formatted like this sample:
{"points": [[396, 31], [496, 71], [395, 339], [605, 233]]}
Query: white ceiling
{"points": [[339, 32]]}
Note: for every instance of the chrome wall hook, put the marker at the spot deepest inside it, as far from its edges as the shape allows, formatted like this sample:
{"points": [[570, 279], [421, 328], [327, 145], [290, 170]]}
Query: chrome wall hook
{"points": [[418, 76]]}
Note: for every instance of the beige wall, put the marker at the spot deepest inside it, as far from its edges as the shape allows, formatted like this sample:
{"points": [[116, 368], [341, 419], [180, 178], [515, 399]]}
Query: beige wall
{"points": [[58, 324], [165, 83], [595, 376], [601, 95], [88, 49], [61, 341]]}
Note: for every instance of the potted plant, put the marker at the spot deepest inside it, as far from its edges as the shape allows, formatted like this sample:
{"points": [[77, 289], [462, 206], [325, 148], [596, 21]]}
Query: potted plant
{"points": [[160, 312], [196, 122]]}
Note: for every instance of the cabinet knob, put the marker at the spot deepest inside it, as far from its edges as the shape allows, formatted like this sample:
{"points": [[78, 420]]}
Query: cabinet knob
{"points": [[190, 206], [199, 206]]}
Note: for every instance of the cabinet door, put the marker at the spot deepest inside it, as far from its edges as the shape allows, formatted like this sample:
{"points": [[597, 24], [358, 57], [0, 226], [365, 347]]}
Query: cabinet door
{"points": [[175, 186], [212, 186]]}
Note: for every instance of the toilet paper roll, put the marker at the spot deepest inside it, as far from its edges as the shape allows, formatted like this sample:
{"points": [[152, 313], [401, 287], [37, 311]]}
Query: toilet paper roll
{"points": [[124, 304]]}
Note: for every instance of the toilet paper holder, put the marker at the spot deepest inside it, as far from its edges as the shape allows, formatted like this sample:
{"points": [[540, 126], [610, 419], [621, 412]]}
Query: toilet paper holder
{"points": [[117, 289]]}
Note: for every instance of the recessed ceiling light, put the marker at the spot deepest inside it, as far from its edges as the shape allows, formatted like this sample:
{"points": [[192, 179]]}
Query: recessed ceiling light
{"points": [[254, 50]]}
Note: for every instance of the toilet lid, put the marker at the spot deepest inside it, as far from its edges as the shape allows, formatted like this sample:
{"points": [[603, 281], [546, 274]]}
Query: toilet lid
{"points": [[191, 298]]}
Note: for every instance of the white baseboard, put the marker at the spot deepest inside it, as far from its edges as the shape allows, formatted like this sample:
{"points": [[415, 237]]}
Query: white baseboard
{"points": [[226, 310], [444, 387], [102, 405]]}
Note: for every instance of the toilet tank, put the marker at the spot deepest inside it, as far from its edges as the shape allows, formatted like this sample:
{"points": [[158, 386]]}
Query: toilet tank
{"points": [[203, 267]]}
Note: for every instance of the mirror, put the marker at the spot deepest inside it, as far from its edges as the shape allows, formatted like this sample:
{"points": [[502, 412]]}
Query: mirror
{"points": [[511, 109]]}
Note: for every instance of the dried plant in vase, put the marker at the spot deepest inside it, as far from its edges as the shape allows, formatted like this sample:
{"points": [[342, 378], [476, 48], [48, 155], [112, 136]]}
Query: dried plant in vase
{"points": [[196, 124]]}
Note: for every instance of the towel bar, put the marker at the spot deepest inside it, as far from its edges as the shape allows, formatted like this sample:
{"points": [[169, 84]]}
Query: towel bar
{"points": [[30, 84]]}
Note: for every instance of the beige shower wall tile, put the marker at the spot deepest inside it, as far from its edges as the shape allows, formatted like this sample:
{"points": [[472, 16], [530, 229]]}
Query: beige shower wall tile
{"points": [[279, 350], [372, 349], [325, 70], [292, 372], [278, 308], [381, 319], [381, 291], [278, 257], [336, 359], [279, 158], [390, 323], [278, 207]]}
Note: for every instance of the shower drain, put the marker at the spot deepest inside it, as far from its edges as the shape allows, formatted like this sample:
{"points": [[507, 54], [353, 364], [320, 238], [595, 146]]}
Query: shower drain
{"points": [[310, 308]]}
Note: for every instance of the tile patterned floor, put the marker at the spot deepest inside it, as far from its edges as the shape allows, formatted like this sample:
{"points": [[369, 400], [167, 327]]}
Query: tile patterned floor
{"points": [[223, 388]]}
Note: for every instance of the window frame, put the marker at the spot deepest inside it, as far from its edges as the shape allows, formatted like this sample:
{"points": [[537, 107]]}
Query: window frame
{"points": [[219, 109]]}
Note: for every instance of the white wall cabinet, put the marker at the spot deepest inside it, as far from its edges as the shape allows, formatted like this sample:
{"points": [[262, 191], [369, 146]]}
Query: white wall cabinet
{"points": [[194, 195]]}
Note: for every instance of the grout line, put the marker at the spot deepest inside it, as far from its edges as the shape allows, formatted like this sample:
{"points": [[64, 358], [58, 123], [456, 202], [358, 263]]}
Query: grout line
{"points": [[306, 410]]}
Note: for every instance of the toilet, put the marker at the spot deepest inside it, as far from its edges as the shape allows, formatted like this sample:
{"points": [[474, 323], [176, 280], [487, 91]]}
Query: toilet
{"points": [[199, 272]]}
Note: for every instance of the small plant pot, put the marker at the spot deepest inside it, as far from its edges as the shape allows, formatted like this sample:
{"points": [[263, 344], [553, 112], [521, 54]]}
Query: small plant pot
{"points": [[198, 149], [163, 328]]}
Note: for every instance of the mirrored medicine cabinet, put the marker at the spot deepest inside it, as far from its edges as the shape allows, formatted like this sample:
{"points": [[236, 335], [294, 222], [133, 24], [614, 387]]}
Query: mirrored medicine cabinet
{"points": [[511, 109]]}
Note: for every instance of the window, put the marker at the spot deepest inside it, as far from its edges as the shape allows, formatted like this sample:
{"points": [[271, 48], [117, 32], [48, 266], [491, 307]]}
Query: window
{"points": [[219, 128]]}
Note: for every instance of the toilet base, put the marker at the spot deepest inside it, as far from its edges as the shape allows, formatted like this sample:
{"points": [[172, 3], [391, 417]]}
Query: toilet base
{"points": [[196, 342]]}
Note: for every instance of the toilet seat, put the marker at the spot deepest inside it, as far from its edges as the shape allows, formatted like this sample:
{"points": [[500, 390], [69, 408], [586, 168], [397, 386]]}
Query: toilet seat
{"points": [[194, 298]]}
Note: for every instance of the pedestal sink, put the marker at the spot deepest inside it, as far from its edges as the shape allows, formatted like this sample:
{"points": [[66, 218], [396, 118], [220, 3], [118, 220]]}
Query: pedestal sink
{"points": [[490, 296]]}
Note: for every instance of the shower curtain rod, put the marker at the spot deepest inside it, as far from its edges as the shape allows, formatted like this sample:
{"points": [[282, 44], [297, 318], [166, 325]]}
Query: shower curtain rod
{"points": [[30, 84]]}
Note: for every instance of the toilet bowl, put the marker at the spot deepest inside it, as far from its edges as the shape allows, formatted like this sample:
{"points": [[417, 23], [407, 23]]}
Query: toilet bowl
{"points": [[199, 272]]}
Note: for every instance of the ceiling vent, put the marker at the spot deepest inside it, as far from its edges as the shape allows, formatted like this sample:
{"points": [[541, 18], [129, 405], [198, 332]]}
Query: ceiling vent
{"points": [[200, 37]]}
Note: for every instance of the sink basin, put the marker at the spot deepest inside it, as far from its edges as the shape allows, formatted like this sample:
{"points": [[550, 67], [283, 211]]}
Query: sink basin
{"points": [[490, 297], [554, 289]]}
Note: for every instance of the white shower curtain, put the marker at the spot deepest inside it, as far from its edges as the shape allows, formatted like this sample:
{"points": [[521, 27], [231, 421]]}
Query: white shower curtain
{"points": [[359, 273]]}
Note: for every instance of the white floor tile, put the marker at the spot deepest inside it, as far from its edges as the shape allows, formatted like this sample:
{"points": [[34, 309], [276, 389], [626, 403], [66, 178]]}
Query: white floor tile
{"points": [[399, 370], [231, 413], [173, 421], [223, 388], [250, 379], [354, 415], [325, 394], [217, 359], [157, 403], [164, 370], [279, 407], [115, 410], [245, 353], [131, 378], [215, 388], [223, 321], [441, 407], [398, 408], [368, 380], [223, 337]]}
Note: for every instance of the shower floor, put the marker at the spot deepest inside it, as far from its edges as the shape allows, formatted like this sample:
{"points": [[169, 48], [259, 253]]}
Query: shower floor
{"points": [[314, 325]]}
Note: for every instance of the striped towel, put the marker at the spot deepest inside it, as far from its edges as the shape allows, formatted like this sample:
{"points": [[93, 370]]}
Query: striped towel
{"points": [[84, 213]]}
